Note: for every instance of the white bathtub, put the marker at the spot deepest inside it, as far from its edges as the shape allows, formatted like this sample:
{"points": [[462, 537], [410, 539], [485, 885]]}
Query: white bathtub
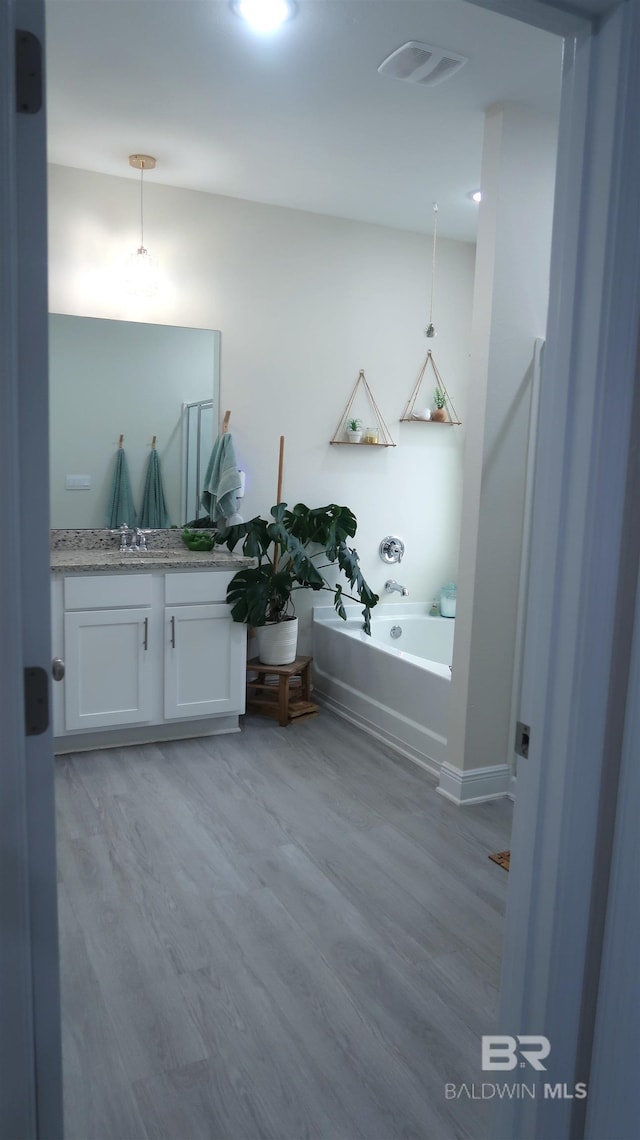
{"points": [[398, 687]]}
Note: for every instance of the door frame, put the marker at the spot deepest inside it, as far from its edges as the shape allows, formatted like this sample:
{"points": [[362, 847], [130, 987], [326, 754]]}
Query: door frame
{"points": [[30, 1063], [582, 562], [583, 575]]}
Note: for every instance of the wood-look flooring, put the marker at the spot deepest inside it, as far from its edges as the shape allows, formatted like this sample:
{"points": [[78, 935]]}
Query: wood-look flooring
{"points": [[283, 934]]}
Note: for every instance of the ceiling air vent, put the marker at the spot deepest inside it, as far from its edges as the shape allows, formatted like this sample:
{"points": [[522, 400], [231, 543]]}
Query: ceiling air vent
{"points": [[422, 63]]}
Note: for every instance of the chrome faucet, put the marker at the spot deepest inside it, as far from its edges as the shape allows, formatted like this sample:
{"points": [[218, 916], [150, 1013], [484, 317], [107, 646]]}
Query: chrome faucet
{"points": [[394, 587], [138, 542], [124, 530]]}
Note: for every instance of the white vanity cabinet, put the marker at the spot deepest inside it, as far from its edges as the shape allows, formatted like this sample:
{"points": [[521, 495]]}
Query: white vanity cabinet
{"points": [[205, 652], [106, 651], [148, 656]]}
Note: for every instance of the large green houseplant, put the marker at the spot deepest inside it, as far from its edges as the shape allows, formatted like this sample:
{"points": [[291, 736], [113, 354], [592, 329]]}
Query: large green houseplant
{"points": [[292, 549]]}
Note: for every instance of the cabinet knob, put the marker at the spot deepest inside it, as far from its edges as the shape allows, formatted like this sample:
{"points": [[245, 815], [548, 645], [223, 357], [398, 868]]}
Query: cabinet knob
{"points": [[57, 669]]}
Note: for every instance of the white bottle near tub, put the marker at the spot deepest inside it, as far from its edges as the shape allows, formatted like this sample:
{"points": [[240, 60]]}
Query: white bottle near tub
{"points": [[448, 600]]}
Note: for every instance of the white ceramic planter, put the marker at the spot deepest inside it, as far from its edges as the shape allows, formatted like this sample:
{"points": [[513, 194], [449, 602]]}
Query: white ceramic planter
{"points": [[278, 642], [354, 436]]}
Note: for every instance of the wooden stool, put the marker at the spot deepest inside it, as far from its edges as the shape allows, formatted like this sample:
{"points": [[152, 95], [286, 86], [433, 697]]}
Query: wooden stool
{"points": [[286, 695]]}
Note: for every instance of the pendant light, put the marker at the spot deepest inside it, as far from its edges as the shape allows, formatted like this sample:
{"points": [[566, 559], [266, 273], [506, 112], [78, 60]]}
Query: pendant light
{"points": [[142, 279], [430, 330]]}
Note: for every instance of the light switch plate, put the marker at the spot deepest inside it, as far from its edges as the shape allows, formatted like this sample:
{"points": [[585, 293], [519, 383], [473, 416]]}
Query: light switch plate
{"points": [[77, 482]]}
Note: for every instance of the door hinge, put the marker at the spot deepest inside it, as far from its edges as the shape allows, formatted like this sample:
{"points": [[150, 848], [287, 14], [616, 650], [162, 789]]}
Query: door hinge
{"points": [[28, 73], [523, 732], [36, 700]]}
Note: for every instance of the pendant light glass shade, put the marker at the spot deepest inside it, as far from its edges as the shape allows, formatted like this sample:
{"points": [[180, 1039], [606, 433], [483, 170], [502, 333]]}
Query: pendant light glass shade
{"points": [[142, 274]]}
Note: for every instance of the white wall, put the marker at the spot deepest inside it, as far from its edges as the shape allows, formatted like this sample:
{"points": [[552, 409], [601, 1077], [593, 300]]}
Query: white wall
{"points": [[510, 309], [303, 301]]}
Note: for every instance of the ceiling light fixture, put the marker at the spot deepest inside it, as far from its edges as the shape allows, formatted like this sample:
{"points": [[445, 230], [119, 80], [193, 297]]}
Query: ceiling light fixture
{"points": [[142, 278], [475, 195], [264, 15]]}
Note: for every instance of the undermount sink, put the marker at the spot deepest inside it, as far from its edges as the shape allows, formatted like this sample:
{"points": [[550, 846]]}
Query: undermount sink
{"points": [[150, 555]]}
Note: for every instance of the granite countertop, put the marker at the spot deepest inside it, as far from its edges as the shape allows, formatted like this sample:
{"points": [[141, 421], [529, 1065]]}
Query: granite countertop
{"points": [[97, 552], [112, 561]]}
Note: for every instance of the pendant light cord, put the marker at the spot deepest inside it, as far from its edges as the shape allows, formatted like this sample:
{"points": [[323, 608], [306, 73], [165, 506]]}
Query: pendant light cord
{"points": [[141, 209], [433, 261]]}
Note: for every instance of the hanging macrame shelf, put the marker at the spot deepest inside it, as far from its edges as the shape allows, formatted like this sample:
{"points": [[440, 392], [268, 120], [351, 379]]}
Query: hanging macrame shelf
{"points": [[447, 414], [383, 437], [409, 416]]}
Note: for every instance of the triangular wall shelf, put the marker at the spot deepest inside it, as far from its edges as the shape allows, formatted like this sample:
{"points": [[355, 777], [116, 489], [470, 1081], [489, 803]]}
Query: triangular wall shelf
{"points": [[408, 415], [383, 438]]}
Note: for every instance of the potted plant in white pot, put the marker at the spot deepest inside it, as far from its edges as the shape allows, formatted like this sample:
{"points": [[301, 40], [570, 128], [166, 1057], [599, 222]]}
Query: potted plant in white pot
{"points": [[354, 430], [287, 550]]}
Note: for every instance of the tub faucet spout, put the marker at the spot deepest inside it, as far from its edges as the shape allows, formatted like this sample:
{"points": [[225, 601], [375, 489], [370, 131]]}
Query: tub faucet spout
{"points": [[394, 587]]}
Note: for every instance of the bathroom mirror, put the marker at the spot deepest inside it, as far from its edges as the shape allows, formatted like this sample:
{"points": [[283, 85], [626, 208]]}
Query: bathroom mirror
{"points": [[111, 378]]}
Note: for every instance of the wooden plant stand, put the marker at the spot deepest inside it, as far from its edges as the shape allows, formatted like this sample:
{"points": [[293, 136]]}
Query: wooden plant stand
{"points": [[280, 691]]}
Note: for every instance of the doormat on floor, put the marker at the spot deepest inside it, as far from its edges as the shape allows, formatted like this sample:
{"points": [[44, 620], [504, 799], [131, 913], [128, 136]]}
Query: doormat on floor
{"points": [[502, 858]]}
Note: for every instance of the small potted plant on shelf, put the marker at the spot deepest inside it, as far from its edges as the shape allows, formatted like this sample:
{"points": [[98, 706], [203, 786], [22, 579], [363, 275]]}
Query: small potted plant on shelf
{"points": [[440, 401], [354, 430], [286, 549]]}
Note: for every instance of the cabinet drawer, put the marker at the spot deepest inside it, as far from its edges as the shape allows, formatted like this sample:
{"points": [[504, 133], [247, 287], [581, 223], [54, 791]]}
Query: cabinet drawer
{"points": [[197, 586], [102, 591]]}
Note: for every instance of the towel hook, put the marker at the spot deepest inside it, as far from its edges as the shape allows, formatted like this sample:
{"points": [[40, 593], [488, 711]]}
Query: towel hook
{"points": [[121, 441], [225, 422], [153, 443]]}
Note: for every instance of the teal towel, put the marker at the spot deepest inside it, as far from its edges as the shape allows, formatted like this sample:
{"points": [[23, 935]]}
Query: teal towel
{"points": [[222, 480], [120, 508], [153, 512]]}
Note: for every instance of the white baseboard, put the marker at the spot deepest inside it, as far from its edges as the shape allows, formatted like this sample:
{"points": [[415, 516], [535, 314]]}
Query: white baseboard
{"points": [[475, 786], [381, 734]]}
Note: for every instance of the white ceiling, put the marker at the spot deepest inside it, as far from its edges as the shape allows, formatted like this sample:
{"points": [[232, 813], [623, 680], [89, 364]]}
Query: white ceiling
{"points": [[301, 118]]}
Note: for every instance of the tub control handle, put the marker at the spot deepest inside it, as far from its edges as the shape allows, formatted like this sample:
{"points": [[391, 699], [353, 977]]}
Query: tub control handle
{"points": [[391, 549]]}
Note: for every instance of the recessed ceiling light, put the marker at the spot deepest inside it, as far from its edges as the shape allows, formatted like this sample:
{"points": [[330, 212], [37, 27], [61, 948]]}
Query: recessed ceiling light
{"points": [[264, 15], [475, 195]]}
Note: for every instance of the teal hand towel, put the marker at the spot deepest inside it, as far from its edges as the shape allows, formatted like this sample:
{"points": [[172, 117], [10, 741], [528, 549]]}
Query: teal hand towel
{"points": [[120, 508], [222, 480], [153, 511]]}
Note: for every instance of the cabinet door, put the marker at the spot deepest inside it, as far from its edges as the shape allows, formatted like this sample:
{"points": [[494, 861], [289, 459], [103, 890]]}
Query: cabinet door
{"points": [[205, 662], [108, 674]]}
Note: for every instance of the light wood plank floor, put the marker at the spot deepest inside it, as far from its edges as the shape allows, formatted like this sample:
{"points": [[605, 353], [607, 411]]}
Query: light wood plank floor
{"points": [[283, 934]]}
